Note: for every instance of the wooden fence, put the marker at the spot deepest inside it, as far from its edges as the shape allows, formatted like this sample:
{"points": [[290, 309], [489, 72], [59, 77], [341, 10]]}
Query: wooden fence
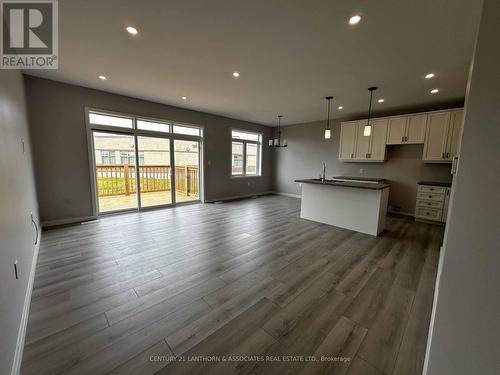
{"points": [[120, 179]]}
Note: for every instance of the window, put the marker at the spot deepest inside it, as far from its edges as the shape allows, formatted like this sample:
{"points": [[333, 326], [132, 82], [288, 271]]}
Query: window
{"points": [[108, 157], [187, 130], [153, 126], [128, 157], [100, 119], [246, 150]]}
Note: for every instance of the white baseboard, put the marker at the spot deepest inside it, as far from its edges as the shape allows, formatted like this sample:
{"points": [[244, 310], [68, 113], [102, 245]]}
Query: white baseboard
{"points": [[238, 197], [21, 335], [287, 194], [73, 220], [401, 213]]}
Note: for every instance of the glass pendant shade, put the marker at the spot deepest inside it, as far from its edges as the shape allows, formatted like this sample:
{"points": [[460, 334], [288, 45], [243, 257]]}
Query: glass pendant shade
{"points": [[328, 133], [367, 131]]}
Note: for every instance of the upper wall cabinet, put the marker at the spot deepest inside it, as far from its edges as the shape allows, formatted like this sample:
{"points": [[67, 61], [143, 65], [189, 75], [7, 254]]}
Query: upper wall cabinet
{"points": [[442, 136], [439, 132], [406, 129], [356, 147]]}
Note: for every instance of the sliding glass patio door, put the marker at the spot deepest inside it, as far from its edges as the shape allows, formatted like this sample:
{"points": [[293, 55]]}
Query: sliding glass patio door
{"points": [[115, 171], [142, 163], [154, 171]]}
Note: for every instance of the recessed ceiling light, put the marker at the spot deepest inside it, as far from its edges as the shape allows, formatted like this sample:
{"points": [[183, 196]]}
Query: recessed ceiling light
{"points": [[429, 76], [354, 20], [184, 97], [102, 78], [236, 74], [434, 91], [340, 107], [381, 100], [132, 30]]}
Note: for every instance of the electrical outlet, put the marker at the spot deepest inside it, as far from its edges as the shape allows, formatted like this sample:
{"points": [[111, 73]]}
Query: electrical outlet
{"points": [[248, 183], [361, 171]]}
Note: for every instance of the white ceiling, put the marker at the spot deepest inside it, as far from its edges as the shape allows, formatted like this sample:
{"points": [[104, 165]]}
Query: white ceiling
{"points": [[290, 53]]}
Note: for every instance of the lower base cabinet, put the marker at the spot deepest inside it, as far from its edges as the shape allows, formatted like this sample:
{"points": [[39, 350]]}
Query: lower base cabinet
{"points": [[432, 203]]}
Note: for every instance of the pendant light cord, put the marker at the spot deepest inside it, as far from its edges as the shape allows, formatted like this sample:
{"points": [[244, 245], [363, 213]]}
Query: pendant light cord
{"points": [[328, 117], [371, 89]]}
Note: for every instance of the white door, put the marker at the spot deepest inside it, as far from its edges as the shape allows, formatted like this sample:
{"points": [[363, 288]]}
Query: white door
{"points": [[436, 136], [415, 129], [378, 139], [362, 142], [454, 134], [347, 140], [396, 130]]}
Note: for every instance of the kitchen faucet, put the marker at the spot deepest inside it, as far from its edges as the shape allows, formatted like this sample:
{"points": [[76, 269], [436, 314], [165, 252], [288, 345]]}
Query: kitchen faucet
{"points": [[323, 177]]}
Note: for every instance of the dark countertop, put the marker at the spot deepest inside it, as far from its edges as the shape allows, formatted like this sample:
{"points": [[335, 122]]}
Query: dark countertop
{"points": [[359, 178], [434, 183], [359, 185]]}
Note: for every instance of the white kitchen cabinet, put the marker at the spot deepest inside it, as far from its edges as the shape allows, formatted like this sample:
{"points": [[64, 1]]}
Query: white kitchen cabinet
{"points": [[454, 133], [406, 129], [442, 136], [415, 129], [356, 147], [396, 130], [432, 203], [347, 143]]}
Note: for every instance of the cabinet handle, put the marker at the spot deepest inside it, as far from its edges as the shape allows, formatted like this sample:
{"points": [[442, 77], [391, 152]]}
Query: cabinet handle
{"points": [[428, 204], [430, 196], [402, 139], [442, 155], [352, 156], [447, 155], [367, 156], [431, 189]]}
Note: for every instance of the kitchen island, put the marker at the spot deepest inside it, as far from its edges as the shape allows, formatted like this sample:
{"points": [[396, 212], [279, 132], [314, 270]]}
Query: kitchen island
{"points": [[352, 204]]}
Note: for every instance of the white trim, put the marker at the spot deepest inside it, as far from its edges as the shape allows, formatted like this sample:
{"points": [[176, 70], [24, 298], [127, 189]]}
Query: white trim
{"points": [[287, 194], [238, 197], [73, 220], [21, 335], [400, 213]]}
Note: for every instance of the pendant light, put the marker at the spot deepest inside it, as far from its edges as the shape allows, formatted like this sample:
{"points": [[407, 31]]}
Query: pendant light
{"points": [[367, 131], [328, 132], [277, 141]]}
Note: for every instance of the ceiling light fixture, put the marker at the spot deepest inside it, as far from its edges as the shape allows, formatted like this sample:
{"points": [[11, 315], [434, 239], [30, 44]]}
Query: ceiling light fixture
{"points": [[132, 30], [328, 131], [340, 108], [102, 78], [429, 76], [354, 19], [367, 131], [184, 97], [434, 91], [236, 74], [277, 141], [381, 100]]}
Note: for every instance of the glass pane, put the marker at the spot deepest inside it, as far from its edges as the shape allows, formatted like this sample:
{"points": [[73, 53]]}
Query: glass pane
{"points": [[252, 159], [237, 158], [116, 180], [154, 171], [99, 119], [186, 157], [153, 126], [181, 129], [236, 134]]}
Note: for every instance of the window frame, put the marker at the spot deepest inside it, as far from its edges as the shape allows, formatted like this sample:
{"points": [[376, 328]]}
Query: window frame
{"points": [[244, 142]]}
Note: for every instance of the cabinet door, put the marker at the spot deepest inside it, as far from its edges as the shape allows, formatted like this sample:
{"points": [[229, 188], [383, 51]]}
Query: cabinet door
{"points": [[362, 143], [378, 139], [435, 136], [347, 140], [453, 140], [396, 130], [415, 129]]}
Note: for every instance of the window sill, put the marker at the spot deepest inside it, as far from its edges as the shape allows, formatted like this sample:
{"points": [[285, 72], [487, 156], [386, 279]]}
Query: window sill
{"points": [[246, 176]]}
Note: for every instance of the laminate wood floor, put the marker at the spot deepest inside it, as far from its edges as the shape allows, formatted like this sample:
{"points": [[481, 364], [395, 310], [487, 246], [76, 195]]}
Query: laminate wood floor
{"points": [[247, 281]]}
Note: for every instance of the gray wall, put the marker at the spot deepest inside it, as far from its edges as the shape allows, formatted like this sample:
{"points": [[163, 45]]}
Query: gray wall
{"points": [[465, 324], [17, 200], [57, 122], [307, 149]]}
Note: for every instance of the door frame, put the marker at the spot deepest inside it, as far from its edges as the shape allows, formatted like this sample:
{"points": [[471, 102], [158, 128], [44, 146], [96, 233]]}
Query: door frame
{"points": [[135, 132]]}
